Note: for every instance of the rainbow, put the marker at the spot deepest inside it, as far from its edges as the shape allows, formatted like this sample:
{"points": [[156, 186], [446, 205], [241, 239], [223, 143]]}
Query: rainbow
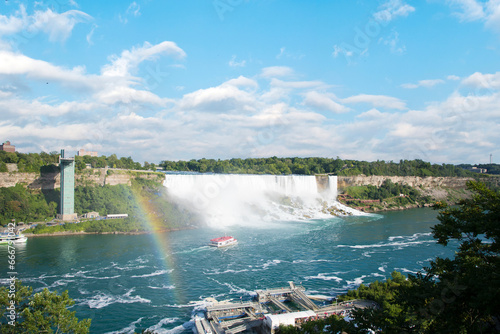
{"points": [[160, 238]]}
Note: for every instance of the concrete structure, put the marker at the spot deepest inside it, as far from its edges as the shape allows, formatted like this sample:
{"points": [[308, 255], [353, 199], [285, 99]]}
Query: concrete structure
{"points": [[7, 147], [270, 309], [82, 152], [91, 214], [477, 170], [273, 321], [67, 166]]}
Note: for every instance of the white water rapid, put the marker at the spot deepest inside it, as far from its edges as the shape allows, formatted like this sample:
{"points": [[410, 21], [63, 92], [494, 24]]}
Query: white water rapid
{"points": [[231, 199]]}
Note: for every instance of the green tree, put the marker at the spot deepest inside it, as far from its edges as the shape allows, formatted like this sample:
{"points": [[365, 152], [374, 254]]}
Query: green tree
{"points": [[462, 295], [458, 295], [42, 312]]}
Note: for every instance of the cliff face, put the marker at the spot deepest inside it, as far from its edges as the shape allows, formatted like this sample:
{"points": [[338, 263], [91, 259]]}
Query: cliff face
{"points": [[97, 176], [449, 189], [413, 181]]}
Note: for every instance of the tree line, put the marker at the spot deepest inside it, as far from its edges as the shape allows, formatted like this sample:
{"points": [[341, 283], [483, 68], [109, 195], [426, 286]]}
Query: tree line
{"points": [[28, 162], [311, 166], [46, 162]]}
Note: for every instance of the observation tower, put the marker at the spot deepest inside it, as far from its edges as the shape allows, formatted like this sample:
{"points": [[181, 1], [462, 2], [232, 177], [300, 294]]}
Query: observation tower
{"points": [[67, 210]]}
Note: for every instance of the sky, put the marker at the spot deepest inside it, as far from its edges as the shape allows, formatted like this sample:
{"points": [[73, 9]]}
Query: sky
{"points": [[190, 79]]}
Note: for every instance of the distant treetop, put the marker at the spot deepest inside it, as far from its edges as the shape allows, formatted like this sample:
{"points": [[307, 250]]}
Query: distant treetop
{"points": [[311, 166]]}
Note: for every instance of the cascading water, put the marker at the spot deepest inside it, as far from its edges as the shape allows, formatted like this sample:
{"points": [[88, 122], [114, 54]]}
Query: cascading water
{"points": [[228, 199]]}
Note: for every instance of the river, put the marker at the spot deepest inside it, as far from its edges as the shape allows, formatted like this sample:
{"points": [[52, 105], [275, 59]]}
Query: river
{"points": [[135, 282]]}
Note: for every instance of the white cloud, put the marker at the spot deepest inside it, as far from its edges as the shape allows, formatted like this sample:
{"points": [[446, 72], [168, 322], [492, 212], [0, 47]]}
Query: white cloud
{"points": [[134, 9], [393, 42], [21, 108], [407, 130], [473, 10], [242, 81], [91, 34], [128, 60], [220, 99], [453, 77], [423, 83], [234, 63], [58, 26], [382, 101], [337, 50], [480, 80], [285, 54], [113, 86], [17, 64], [393, 9], [128, 95], [297, 84], [276, 71], [493, 18], [14, 23], [323, 101], [371, 114], [261, 115]]}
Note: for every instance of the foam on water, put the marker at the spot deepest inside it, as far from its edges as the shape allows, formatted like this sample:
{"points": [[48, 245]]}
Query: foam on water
{"points": [[101, 299], [158, 328], [356, 282], [130, 329], [324, 277], [156, 273], [168, 287]]}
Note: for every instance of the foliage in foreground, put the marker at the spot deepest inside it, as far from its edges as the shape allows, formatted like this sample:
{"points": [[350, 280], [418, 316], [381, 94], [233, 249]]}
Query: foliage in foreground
{"points": [[42, 312], [459, 295]]}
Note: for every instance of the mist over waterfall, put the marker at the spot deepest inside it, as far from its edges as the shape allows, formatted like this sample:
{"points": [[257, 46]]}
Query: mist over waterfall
{"points": [[229, 199]]}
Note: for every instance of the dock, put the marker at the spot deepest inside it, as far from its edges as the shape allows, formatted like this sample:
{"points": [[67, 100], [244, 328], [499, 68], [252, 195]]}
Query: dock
{"points": [[271, 308]]}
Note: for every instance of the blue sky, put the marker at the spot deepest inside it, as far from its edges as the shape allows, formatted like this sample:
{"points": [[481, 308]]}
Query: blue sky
{"points": [[169, 80]]}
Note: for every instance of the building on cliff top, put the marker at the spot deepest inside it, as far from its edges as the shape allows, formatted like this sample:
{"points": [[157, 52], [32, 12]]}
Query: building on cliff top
{"points": [[7, 147], [82, 152]]}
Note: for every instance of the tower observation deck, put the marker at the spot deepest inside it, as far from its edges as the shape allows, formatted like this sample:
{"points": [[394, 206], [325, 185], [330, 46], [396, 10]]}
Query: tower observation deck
{"points": [[67, 209]]}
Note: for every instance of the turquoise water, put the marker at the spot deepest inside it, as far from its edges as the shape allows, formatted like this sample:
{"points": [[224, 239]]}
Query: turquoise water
{"points": [[124, 283]]}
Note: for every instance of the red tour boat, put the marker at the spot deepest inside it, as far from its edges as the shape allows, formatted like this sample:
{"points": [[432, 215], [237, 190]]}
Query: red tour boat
{"points": [[223, 242]]}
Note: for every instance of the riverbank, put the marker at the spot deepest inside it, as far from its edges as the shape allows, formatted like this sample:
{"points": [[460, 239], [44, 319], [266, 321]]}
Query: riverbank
{"points": [[68, 233]]}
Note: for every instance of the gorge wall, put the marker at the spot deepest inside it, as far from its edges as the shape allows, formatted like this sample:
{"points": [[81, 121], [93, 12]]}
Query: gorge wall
{"points": [[103, 176], [96, 176], [413, 181]]}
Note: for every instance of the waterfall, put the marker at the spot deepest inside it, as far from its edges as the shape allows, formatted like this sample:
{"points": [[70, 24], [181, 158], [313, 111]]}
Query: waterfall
{"points": [[227, 199]]}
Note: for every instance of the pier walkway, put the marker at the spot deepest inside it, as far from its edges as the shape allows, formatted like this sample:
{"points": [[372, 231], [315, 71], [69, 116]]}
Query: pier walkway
{"points": [[288, 305]]}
